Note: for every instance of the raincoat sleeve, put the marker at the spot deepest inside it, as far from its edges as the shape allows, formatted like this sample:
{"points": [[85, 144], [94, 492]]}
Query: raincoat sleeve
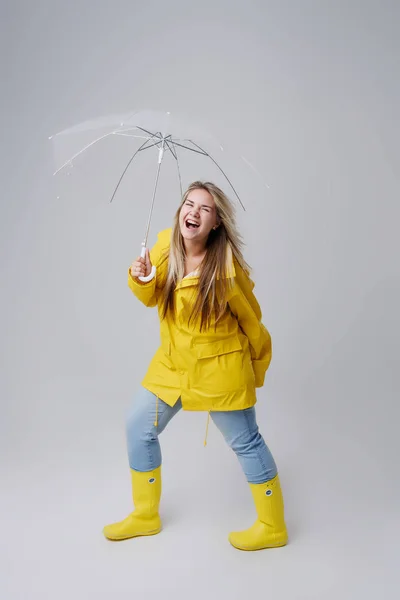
{"points": [[148, 292], [245, 307]]}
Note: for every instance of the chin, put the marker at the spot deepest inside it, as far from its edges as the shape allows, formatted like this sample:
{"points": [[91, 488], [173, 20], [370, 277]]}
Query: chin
{"points": [[189, 234]]}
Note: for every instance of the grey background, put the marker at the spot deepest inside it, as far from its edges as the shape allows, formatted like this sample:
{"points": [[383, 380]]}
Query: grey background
{"points": [[319, 82]]}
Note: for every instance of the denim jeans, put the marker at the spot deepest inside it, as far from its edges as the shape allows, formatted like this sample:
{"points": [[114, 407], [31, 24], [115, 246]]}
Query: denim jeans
{"points": [[238, 427]]}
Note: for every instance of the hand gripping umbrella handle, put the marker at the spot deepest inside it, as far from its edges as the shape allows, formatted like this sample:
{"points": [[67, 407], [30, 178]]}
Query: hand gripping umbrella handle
{"points": [[153, 269]]}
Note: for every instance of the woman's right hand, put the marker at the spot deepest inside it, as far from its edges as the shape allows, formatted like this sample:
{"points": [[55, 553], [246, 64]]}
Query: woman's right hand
{"points": [[141, 267]]}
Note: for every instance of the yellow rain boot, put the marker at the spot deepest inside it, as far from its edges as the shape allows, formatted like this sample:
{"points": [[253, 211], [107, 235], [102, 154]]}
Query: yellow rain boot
{"points": [[145, 520], [269, 530]]}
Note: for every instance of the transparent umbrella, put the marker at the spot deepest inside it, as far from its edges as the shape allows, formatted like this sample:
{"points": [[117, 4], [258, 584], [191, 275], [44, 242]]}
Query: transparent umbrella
{"points": [[156, 133]]}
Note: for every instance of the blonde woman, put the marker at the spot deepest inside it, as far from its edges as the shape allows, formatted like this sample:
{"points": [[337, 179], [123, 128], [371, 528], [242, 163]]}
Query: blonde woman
{"points": [[214, 353]]}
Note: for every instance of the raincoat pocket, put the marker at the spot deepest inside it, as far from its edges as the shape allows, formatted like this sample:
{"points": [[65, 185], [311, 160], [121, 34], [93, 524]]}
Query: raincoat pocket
{"points": [[163, 354], [219, 365]]}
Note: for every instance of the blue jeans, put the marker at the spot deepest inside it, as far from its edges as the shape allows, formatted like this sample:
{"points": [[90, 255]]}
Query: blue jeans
{"points": [[239, 428]]}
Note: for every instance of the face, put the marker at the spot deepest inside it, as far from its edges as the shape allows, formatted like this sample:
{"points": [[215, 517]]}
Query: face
{"points": [[198, 215]]}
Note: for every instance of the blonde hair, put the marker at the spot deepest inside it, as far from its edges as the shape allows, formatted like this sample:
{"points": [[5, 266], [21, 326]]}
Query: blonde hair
{"points": [[214, 280]]}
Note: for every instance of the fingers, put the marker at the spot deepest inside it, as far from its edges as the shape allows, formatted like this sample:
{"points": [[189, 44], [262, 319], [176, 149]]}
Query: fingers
{"points": [[138, 267], [141, 266], [137, 270]]}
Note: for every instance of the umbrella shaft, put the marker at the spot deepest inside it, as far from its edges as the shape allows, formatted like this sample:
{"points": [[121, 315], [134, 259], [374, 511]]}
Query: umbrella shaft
{"points": [[152, 206]]}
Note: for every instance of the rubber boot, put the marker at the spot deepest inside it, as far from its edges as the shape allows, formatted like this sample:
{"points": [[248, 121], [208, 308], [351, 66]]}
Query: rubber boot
{"points": [[145, 520], [269, 530]]}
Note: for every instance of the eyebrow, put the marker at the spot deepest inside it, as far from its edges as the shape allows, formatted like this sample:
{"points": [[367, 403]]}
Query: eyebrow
{"points": [[202, 206]]}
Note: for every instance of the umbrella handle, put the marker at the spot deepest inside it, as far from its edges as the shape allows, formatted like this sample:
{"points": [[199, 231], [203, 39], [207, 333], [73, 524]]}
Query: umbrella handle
{"points": [[153, 269]]}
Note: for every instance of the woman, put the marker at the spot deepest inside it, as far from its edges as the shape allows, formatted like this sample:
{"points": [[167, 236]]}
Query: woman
{"points": [[214, 354]]}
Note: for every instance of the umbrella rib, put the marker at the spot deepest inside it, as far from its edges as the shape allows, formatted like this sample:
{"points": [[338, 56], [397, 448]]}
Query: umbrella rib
{"points": [[126, 130], [126, 168], [93, 142], [158, 134], [139, 137], [188, 148], [83, 150], [152, 145], [170, 149], [223, 173], [149, 133]]}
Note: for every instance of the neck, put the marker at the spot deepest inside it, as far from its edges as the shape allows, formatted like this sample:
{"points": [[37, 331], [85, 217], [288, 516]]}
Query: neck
{"points": [[194, 248]]}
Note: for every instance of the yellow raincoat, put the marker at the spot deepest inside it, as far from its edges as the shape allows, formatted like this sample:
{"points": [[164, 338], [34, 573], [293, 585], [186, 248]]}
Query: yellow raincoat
{"points": [[211, 370]]}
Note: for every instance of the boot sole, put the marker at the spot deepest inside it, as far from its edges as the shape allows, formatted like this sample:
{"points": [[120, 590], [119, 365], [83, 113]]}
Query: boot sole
{"points": [[129, 537], [248, 549]]}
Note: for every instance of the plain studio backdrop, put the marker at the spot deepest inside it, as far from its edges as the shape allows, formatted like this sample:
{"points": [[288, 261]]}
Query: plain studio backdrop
{"points": [[309, 92]]}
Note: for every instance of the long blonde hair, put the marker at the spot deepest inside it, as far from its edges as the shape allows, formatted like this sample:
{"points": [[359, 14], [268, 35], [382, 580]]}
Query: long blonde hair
{"points": [[213, 277]]}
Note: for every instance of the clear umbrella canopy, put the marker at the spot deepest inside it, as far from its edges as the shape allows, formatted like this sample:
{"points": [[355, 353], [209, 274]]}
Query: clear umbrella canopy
{"points": [[122, 150]]}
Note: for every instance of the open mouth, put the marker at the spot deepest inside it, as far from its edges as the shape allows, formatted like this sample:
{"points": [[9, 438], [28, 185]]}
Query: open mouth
{"points": [[191, 224]]}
